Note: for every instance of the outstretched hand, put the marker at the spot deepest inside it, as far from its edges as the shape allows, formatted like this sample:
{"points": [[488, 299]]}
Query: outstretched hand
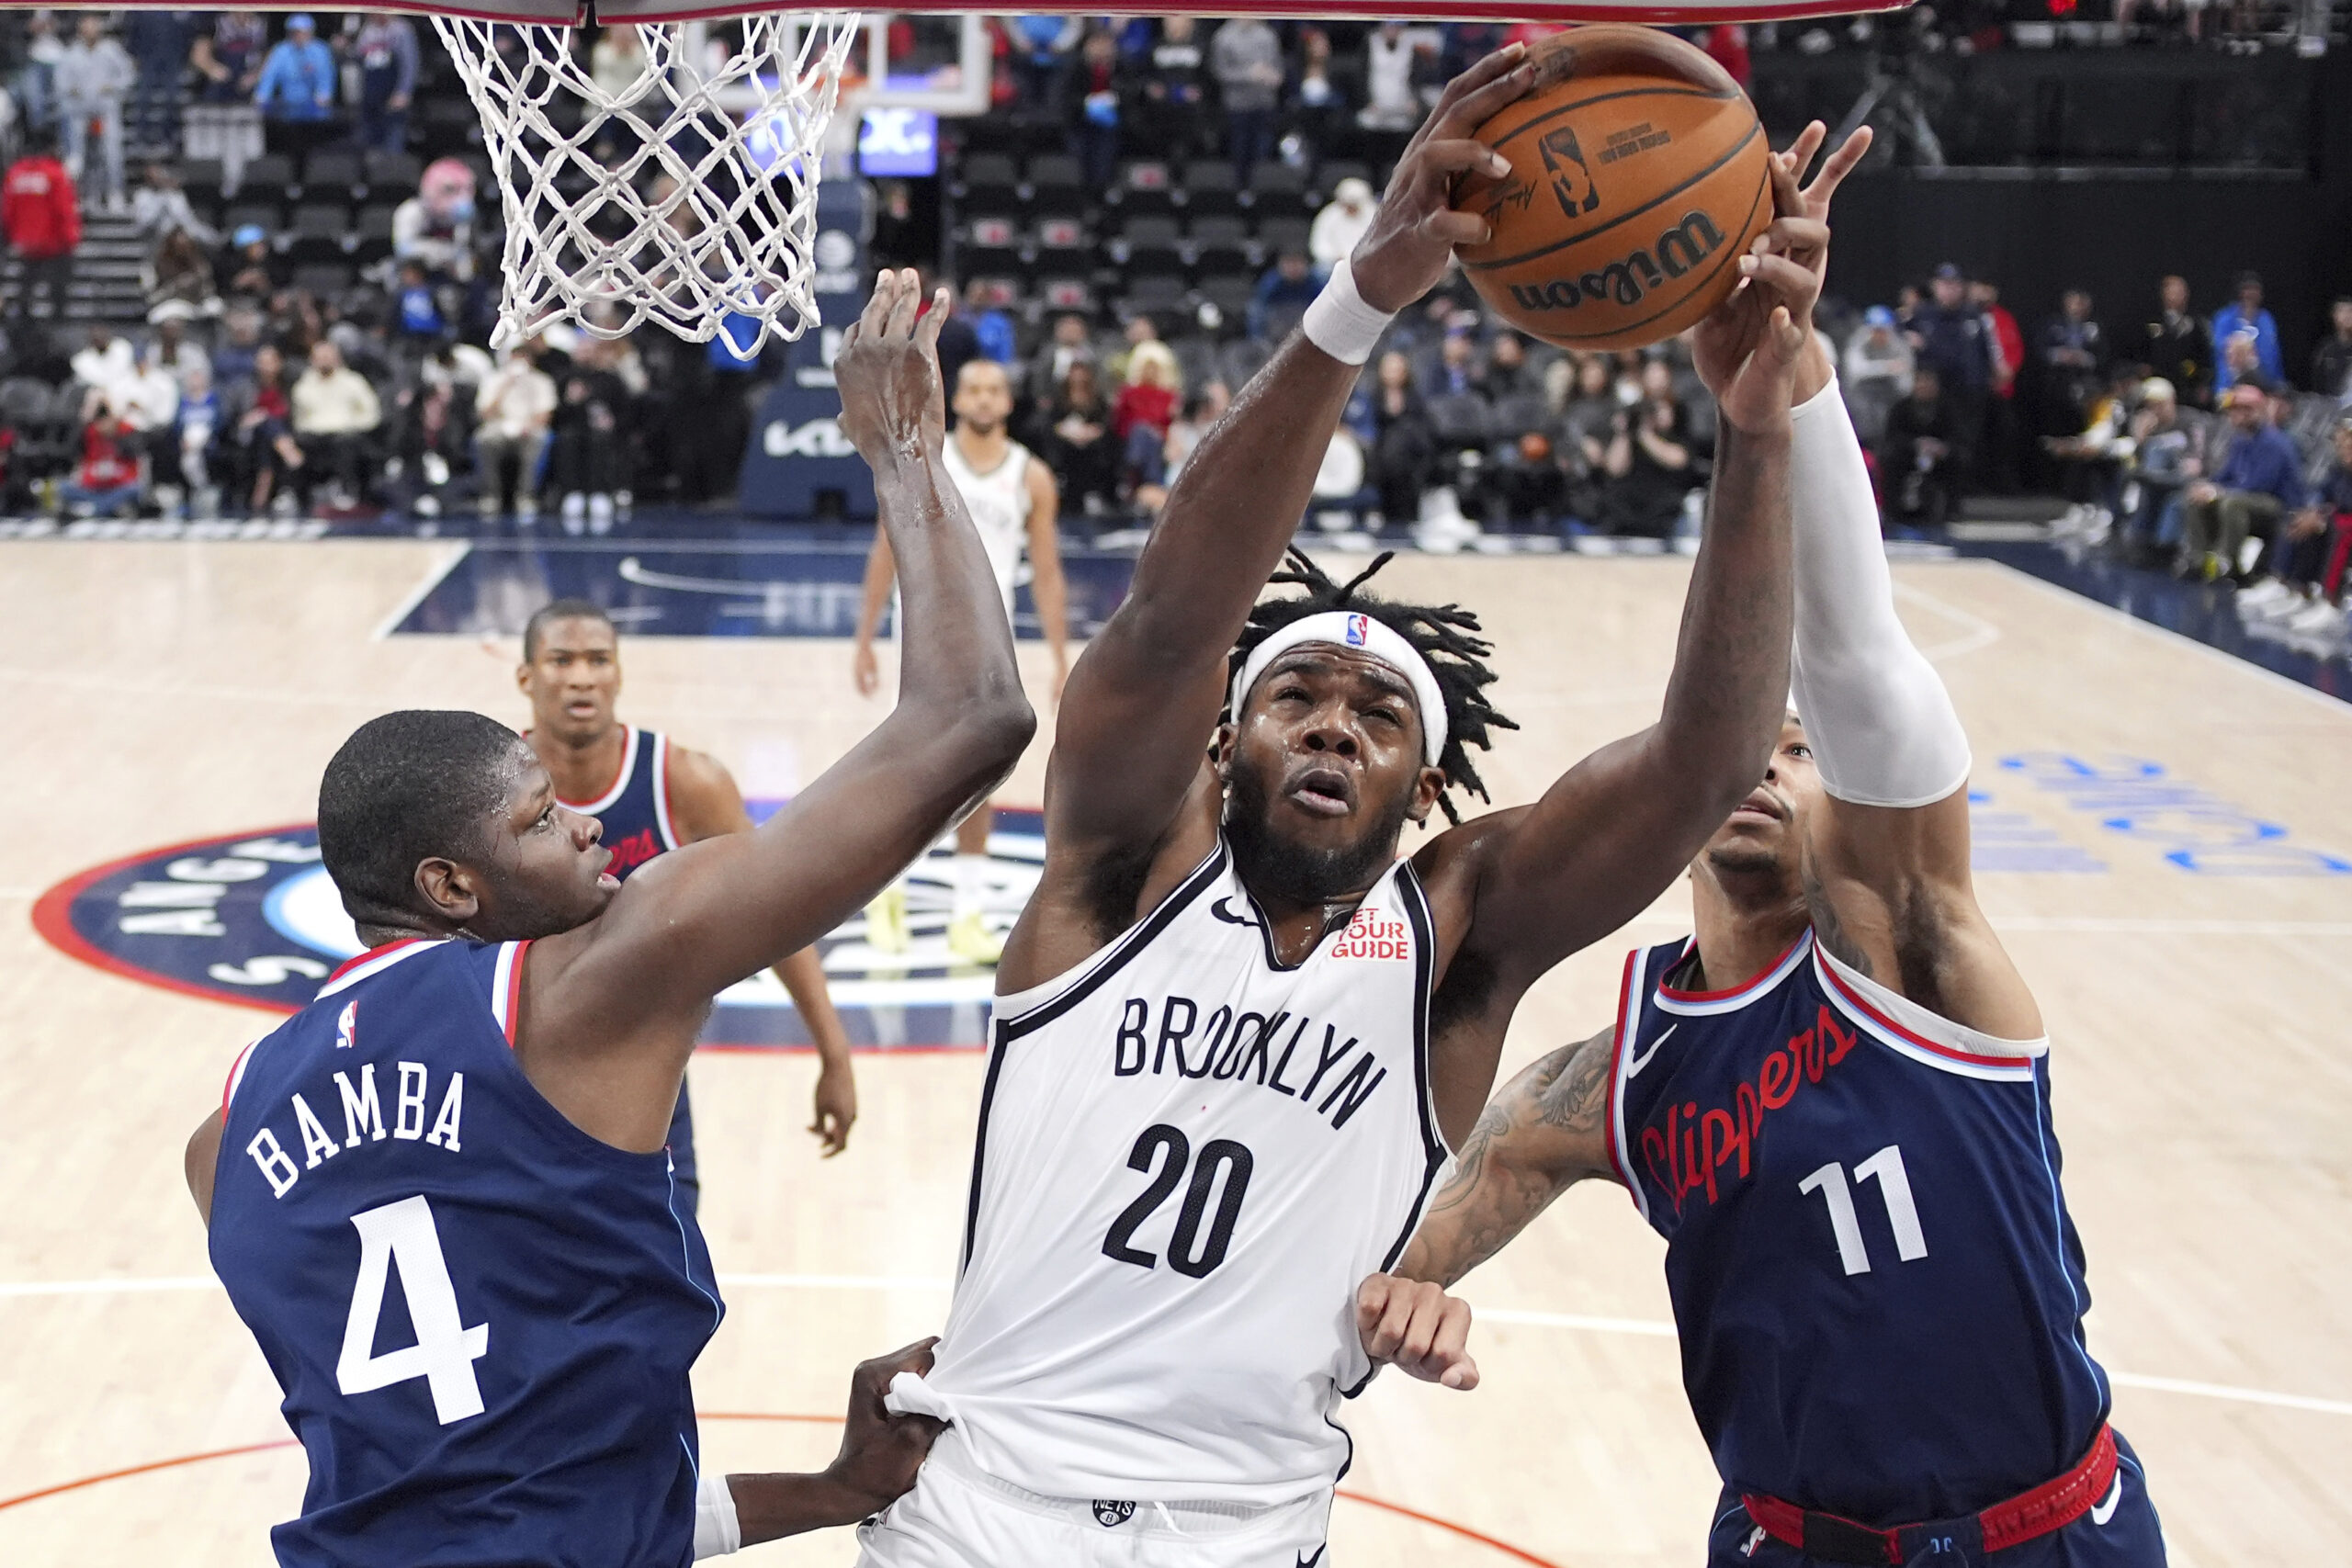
{"points": [[887, 371], [1418, 1327], [1757, 346], [1415, 229]]}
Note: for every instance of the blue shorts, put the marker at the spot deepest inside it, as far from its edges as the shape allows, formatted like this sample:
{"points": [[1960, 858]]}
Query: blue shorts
{"points": [[2120, 1531]]}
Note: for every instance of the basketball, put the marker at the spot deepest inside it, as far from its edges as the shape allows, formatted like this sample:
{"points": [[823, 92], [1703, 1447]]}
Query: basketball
{"points": [[1638, 177]]}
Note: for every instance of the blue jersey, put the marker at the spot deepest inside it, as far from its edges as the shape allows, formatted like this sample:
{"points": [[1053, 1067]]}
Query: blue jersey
{"points": [[1879, 1293], [636, 809], [483, 1318]]}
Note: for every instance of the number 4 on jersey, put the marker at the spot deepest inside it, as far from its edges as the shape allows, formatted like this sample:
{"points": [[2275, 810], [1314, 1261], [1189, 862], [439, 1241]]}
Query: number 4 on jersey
{"points": [[445, 1351], [1902, 1215]]}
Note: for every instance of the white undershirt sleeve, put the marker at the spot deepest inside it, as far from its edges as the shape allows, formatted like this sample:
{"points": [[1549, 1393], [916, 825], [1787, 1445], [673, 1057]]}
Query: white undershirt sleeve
{"points": [[716, 1534], [1882, 726]]}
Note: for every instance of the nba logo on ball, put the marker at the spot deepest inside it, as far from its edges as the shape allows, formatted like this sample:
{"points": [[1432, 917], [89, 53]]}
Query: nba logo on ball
{"points": [[1358, 630], [1688, 186]]}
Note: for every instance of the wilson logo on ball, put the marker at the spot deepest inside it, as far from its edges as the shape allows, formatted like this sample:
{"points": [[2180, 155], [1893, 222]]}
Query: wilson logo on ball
{"points": [[1681, 248]]}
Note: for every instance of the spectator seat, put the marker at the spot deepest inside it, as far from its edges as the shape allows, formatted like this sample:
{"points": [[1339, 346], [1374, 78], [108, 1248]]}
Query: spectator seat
{"points": [[394, 174], [331, 170], [1210, 186], [990, 178], [1276, 235]]}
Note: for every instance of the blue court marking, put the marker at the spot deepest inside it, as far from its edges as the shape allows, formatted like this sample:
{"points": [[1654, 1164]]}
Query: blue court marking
{"points": [[2188, 827], [765, 585], [2012, 841]]}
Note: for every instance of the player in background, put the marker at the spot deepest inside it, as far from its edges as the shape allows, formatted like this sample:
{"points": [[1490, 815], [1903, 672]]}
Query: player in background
{"points": [[1833, 1102], [651, 797], [1235, 1034], [1014, 504], [476, 1106]]}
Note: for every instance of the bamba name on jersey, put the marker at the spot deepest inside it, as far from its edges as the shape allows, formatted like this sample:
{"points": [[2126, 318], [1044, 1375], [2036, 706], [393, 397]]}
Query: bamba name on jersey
{"points": [[1243, 1050], [363, 1121]]}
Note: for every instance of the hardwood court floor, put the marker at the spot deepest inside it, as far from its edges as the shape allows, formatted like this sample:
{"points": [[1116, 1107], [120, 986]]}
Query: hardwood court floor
{"points": [[158, 692]]}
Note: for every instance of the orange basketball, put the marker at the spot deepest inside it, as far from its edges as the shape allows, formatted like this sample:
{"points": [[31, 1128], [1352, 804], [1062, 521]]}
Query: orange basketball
{"points": [[1638, 178]]}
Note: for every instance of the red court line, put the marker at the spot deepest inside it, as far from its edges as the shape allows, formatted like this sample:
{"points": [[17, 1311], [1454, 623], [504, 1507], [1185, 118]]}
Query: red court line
{"points": [[1465, 1532], [140, 1469]]}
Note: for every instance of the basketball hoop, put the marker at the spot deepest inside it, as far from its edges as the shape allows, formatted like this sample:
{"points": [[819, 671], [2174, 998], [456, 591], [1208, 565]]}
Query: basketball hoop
{"points": [[660, 202]]}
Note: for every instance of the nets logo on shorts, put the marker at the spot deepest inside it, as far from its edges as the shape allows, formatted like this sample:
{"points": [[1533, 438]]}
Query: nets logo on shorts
{"points": [[253, 919]]}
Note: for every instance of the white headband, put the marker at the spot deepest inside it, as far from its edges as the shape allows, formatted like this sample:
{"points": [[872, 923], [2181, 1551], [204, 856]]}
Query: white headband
{"points": [[1374, 640]]}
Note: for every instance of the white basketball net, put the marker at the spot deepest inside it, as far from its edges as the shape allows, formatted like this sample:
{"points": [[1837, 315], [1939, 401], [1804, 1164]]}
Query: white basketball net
{"points": [[694, 218]]}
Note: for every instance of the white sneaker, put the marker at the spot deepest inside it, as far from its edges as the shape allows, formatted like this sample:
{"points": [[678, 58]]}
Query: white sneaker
{"points": [[575, 513], [2258, 599], [600, 514], [2314, 619], [527, 510]]}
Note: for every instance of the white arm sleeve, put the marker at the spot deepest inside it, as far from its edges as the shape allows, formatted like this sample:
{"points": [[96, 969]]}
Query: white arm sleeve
{"points": [[716, 1534], [1879, 722]]}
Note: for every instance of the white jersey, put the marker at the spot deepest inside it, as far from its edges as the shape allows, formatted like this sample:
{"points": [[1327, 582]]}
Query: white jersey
{"points": [[1189, 1157], [999, 502]]}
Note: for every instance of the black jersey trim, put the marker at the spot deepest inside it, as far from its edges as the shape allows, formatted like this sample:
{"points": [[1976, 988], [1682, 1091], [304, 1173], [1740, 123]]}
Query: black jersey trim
{"points": [[1417, 912], [980, 1145], [1116, 956]]}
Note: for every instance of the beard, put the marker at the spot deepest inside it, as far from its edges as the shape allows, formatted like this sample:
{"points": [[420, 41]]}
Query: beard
{"points": [[1300, 874]]}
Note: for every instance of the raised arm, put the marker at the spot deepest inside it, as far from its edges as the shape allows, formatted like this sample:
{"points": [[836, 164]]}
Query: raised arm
{"points": [[1887, 846], [1619, 825], [1047, 585], [1541, 1135], [1144, 699], [880, 572], [632, 984], [1610, 834]]}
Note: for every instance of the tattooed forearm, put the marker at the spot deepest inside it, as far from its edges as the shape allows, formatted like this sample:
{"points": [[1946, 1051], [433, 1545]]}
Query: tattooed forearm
{"points": [[1541, 1135]]}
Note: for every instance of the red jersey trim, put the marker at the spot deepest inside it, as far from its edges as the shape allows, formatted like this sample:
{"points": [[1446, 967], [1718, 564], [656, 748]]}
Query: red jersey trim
{"points": [[348, 964], [621, 779], [1613, 1125], [506, 989], [1773, 974], [664, 819], [2019, 1065], [236, 1076], [374, 962]]}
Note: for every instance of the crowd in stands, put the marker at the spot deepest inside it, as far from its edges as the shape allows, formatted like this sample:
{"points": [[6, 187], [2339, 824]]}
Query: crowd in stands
{"points": [[259, 382]]}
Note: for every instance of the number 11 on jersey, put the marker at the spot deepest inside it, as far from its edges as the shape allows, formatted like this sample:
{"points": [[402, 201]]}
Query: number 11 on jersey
{"points": [[1885, 1168]]}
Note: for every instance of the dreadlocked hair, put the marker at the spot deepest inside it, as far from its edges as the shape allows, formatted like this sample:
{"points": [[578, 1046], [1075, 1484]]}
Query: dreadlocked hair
{"points": [[1444, 635]]}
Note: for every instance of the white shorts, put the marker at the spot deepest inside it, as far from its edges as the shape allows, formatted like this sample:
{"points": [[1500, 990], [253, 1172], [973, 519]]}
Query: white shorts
{"points": [[956, 1516]]}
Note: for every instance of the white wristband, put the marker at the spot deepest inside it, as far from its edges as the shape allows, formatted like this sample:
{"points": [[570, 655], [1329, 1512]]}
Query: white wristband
{"points": [[1339, 322], [717, 1531]]}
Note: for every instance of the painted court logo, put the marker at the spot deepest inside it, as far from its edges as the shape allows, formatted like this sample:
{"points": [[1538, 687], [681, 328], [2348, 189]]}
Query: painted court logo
{"points": [[253, 919]]}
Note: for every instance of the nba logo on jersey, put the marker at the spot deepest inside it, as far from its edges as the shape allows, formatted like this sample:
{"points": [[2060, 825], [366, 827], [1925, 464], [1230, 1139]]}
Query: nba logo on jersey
{"points": [[1358, 630], [346, 1028], [1375, 935]]}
